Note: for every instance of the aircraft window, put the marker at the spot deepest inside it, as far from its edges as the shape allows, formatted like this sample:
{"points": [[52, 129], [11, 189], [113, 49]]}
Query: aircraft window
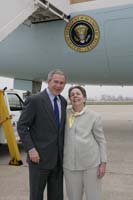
{"points": [[15, 102]]}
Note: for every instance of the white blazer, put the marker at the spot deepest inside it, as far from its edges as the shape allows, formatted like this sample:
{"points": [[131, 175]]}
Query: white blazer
{"points": [[84, 144]]}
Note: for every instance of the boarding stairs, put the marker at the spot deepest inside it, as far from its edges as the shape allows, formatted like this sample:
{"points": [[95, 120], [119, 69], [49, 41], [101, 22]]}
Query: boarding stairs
{"points": [[15, 12]]}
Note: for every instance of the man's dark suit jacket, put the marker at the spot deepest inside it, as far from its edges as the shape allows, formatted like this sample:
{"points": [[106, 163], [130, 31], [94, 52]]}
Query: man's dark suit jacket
{"points": [[37, 128]]}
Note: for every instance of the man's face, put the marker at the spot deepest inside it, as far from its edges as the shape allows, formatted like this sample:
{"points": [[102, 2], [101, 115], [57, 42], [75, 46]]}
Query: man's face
{"points": [[56, 84]]}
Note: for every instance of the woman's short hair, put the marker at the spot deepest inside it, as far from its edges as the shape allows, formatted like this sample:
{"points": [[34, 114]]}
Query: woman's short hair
{"points": [[83, 91]]}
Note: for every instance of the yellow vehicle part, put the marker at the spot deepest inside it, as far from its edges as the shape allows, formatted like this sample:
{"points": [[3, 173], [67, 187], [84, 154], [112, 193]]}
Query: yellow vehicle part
{"points": [[5, 121]]}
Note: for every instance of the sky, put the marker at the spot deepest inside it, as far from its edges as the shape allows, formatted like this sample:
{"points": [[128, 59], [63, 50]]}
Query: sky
{"points": [[93, 91]]}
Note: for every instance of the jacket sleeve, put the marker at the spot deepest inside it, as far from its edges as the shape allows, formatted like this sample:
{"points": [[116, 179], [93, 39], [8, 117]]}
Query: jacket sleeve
{"points": [[100, 138], [25, 122]]}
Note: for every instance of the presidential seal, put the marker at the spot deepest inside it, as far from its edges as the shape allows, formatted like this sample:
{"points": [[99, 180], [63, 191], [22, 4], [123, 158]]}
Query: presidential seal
{"points": [[82, 33]]}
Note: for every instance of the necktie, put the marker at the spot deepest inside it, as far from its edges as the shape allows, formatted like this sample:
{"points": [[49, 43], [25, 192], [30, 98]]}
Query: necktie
{"points": [[56, 111]]}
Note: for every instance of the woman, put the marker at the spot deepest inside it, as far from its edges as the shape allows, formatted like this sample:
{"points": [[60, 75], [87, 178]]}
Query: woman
{"points": [[84, 149]]}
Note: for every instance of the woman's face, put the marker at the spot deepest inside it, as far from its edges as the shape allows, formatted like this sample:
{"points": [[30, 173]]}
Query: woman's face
{"points": [[77, 98]]}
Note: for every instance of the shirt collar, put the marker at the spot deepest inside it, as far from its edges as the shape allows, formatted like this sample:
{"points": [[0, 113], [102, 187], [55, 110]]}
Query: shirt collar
{"points": [[51, 95], [78, 113]]}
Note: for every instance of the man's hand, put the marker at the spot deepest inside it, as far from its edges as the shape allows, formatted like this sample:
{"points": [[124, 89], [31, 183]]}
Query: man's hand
{"points": [[34, 155]]}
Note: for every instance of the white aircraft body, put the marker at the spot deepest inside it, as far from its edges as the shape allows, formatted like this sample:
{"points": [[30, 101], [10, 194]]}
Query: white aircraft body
{"points": [[91, 41]]}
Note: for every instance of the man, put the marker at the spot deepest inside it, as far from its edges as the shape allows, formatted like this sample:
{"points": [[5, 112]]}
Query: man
{"points": [[42, 133]]}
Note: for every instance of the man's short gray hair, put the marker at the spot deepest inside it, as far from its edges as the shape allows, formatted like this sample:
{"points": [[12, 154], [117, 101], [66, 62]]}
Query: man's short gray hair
{"points": [[56, 71]]}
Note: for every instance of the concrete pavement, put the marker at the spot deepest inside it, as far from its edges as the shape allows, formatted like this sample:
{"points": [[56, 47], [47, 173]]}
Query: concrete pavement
{"points": [[118, 181]]}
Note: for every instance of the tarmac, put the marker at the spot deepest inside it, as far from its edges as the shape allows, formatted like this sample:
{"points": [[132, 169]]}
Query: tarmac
{"points": [[118, 181]]}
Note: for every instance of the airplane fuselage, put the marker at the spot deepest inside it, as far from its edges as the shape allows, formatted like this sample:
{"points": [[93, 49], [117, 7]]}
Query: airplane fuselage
{"points": [[30, 52]]}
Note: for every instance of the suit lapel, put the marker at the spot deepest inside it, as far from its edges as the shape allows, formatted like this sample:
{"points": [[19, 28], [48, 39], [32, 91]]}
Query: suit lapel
{"points": [[48, 107], [63, 108]]}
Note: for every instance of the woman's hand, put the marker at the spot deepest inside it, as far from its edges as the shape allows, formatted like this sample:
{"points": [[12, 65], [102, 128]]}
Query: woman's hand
{"points": [[101, 170]]}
